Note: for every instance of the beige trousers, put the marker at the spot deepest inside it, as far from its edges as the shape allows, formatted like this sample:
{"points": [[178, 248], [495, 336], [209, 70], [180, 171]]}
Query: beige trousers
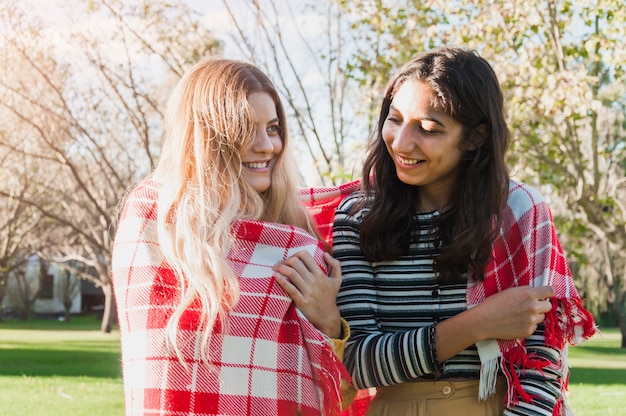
{"points": [[437, 398]]}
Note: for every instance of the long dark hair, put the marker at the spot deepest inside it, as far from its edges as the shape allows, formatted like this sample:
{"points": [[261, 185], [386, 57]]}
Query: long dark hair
{"points": [[467, 89]]}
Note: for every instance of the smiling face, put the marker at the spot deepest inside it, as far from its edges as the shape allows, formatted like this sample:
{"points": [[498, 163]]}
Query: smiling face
{"points": [[259, 156], [425, 143]]}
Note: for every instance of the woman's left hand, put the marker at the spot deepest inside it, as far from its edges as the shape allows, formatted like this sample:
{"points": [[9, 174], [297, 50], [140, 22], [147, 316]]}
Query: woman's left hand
{"points": [[313, 292]]}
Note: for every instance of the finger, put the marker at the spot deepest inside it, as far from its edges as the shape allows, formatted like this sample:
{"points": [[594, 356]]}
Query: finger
{"points": [[303, 269], [308, 262], [291, 273], [334, 266], [544, 292], [293, 292], [545, 306]]}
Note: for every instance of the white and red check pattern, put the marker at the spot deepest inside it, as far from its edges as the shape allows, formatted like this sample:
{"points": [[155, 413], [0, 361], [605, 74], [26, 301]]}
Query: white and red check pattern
{"points": [[322, 202], [270, 360], [528, 253]]}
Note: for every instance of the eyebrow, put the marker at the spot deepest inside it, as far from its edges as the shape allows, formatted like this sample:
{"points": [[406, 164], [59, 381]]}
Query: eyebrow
{"points": [[434, 120]]}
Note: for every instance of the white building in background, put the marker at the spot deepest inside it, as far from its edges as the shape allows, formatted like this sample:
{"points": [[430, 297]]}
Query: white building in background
{"points": [[55, 284]]}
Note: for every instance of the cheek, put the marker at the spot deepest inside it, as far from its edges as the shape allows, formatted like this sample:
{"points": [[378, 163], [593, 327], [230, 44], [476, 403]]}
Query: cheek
{"points": [[388, 135], [277, 143]]}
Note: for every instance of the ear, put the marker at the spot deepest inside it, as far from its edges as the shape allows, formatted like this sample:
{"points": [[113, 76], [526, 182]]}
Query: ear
{"points": [[477, 137]]}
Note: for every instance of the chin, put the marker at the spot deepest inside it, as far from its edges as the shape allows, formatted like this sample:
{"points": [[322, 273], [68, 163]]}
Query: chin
{"points": [[261, 187], [406, 181]]}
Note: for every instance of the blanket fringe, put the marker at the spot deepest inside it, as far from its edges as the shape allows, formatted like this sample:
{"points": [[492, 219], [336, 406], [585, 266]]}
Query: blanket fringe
{"points": [[490, 355], [568, 323]]}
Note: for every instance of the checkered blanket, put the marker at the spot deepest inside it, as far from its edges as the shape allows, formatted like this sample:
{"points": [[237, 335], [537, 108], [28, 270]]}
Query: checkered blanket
{"points": [[527, 252], [270, 360], [322, 202]]}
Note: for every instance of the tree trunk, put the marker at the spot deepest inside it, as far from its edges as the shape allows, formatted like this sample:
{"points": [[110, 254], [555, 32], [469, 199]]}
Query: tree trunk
{"points": [[23, 314], [107, 316], [620, 315]]}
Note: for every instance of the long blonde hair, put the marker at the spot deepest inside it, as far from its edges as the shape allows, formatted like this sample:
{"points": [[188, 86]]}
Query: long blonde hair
{"points": [[202, 190]]}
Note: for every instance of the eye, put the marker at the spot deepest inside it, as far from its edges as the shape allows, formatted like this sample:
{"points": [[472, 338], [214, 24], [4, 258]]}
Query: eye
{"points": [[393, 118], [273, 129], [428, 128], [429, 132]]}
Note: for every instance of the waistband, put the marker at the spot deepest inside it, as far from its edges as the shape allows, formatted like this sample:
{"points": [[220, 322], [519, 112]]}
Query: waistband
{"points": [[434, 389]]}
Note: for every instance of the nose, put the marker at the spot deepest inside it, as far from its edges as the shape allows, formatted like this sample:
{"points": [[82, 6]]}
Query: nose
{"points": [[262, 142], [404, 139]]}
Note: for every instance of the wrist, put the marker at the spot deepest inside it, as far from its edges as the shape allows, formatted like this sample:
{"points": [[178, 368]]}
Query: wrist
{"points": [[476, 327], [332, 326]]}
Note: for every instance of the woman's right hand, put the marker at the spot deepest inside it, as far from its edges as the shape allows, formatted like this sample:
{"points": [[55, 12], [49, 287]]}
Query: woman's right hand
{"points": [[514, 312]]}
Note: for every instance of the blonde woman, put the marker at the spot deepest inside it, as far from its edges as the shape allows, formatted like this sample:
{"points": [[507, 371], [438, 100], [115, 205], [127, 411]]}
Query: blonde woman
{"points": [[203, 250]]}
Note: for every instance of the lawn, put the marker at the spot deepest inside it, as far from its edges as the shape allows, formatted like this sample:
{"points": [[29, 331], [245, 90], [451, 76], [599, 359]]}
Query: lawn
{"points": [[53, 368], [598, 376]]}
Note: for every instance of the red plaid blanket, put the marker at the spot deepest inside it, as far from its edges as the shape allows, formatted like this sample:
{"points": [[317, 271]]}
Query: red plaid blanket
{"points": [[527, 252], [322, 202], [270, 360]]}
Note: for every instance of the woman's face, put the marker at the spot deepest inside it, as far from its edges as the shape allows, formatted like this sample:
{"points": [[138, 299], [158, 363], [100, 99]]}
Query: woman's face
{"points": [[424, 143], [259, 157]]}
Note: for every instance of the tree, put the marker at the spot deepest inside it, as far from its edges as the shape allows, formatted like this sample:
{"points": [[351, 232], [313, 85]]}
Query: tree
{"points": [[561, 65], [28, 292], [91, 94], [69, 288], [22, 228]]}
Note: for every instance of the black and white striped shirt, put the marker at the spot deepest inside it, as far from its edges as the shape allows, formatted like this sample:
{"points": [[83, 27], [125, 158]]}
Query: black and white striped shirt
{"points": [[390, 304]]}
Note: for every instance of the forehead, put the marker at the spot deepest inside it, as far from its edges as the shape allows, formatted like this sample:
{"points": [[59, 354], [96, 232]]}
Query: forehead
{"points": [[413, 96], [263, 105]]}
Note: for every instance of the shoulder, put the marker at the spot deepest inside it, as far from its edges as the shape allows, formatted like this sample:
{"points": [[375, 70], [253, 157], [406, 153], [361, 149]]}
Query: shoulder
{"points": [[523, 197], [141, 200], [349, 202], [526, 211], [145, 189], [347, 206]]}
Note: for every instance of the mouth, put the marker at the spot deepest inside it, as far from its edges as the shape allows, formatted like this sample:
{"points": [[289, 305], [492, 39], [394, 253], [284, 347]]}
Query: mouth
{"points": [[409, 162], [256, 165]]}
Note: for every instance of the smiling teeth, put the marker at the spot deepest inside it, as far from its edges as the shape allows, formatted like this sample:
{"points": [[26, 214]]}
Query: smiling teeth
{"points": [[256, 165], [409, 161]]}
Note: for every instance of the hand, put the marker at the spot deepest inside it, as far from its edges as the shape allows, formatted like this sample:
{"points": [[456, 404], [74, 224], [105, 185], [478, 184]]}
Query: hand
{"points": [[514, 312], [313, 292]]}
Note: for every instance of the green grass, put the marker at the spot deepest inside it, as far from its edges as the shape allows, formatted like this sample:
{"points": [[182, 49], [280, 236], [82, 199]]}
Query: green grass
{"points": [[598, 376], [52, 368]]}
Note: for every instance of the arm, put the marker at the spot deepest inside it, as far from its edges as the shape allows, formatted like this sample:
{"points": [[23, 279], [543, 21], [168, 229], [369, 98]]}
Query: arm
{"points": [[315, 294], [373, 357], [513, 313]]}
